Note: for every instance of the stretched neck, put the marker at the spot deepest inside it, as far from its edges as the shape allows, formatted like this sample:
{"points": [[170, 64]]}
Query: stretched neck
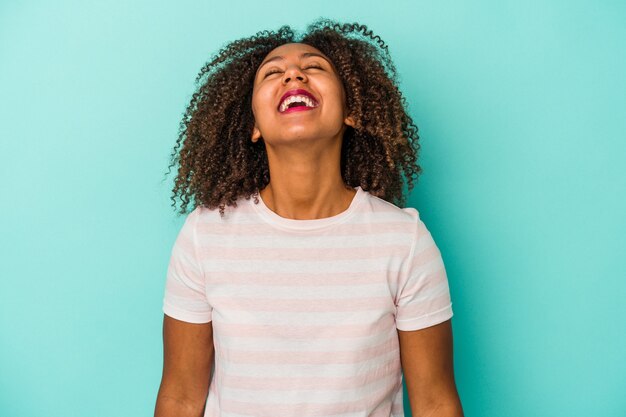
{"points": [[305, 188]]}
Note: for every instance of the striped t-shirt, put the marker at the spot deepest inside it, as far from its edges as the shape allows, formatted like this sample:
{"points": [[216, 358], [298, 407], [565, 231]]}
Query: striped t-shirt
{"points": [[305, 312]]}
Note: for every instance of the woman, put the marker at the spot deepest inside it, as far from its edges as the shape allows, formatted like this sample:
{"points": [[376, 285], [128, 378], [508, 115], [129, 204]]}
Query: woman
{"points": [[316, 296]]}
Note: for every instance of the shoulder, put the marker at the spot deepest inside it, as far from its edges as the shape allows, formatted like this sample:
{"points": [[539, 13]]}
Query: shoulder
{"points": [[409, 215], [204, 218]]}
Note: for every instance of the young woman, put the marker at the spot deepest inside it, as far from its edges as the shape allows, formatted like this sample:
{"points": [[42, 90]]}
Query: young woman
{"points": [[320, 294]]}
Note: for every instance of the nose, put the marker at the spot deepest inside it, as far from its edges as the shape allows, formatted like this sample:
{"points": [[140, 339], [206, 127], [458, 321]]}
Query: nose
{"points": [[293, 72]]}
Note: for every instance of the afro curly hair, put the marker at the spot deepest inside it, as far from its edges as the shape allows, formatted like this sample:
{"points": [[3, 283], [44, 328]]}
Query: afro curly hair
{"points": [[375, 154]]}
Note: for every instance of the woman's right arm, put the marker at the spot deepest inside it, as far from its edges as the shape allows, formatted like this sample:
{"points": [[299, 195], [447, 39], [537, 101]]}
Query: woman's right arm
{"points": [[187, 359]]}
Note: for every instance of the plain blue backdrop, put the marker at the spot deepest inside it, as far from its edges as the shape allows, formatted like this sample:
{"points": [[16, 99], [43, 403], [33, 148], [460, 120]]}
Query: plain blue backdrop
{"points": [[521, 108]]}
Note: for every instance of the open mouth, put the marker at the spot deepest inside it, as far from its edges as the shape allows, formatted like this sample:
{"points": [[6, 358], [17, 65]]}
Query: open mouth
{"points": [[297, 99]]}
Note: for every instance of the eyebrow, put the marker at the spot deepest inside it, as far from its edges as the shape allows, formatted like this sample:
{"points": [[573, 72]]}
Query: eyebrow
{"points": [[304, 55]]}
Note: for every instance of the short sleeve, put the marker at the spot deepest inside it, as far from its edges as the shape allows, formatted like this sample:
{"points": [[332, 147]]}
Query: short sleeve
{"points": [[423, 297], [185, 297]]}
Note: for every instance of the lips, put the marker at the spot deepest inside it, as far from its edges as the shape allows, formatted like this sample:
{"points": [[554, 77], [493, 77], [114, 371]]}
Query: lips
{"points": [[296, 92]]}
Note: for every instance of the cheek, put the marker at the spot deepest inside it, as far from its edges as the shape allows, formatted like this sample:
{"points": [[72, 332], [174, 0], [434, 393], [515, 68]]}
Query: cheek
{"points": [[253, 100], [335, 98], [261, 101], [338, 92]]}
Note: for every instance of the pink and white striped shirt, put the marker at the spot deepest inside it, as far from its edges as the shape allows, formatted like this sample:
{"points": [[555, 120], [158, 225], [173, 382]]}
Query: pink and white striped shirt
{"points": [[305, 312]]}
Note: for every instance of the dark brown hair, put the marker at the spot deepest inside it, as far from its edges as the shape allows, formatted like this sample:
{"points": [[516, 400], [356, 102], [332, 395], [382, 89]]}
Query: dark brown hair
{"points": [[218, 162]]}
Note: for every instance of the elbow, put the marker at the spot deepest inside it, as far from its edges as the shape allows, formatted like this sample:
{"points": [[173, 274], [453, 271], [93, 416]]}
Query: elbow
{"points": [[443, 408]]}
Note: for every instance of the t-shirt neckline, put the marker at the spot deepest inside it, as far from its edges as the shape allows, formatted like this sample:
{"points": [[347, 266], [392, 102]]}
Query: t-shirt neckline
{"points": [[310, 224]]}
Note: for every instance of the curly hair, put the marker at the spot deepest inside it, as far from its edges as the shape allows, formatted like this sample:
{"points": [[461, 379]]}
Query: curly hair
{"points": [[218, 163]]}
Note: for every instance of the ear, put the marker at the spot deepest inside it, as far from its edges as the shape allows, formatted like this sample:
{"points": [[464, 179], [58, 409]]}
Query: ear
{"points": [[349, 121], [256, 134]]}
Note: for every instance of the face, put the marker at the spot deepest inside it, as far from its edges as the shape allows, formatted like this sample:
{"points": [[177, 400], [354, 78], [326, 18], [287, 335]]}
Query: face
{"points": [[298, 66]]}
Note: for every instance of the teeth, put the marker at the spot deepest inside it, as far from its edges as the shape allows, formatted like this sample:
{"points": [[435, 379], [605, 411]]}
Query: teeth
{"points": [[306, 100]]}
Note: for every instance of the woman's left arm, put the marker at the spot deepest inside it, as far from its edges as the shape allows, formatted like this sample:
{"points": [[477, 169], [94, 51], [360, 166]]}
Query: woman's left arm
{"points": [[427, 365]]}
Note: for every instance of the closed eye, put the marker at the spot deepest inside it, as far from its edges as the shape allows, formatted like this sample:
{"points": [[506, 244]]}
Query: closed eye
{"points": [[273, 71]]}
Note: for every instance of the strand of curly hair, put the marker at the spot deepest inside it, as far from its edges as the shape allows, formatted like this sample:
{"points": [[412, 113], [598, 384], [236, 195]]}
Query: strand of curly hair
{"points": [[218, 163]]}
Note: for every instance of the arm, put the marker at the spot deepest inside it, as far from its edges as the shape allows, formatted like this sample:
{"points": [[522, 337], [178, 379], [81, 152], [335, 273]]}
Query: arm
{"points": [[427, 365], [187, 359]]}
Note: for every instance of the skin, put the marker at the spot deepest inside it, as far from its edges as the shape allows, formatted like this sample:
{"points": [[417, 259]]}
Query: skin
{"points": [[427, 365], [303, 148], [303, 151], [187, 362]]}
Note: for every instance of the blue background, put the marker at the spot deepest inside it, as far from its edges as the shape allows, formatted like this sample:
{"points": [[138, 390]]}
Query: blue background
{"points": [[522, 114]]}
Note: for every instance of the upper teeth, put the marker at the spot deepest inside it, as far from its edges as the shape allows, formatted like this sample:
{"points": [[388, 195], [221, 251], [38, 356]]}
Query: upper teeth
{"points": [[306, 100]]}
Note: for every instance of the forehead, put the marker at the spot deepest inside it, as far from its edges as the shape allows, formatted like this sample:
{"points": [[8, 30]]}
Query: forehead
{"points": [[292, 51]]}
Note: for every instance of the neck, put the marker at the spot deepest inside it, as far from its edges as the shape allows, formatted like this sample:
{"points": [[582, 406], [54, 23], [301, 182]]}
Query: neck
{"points": [[306, 181], [301, 194]]}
